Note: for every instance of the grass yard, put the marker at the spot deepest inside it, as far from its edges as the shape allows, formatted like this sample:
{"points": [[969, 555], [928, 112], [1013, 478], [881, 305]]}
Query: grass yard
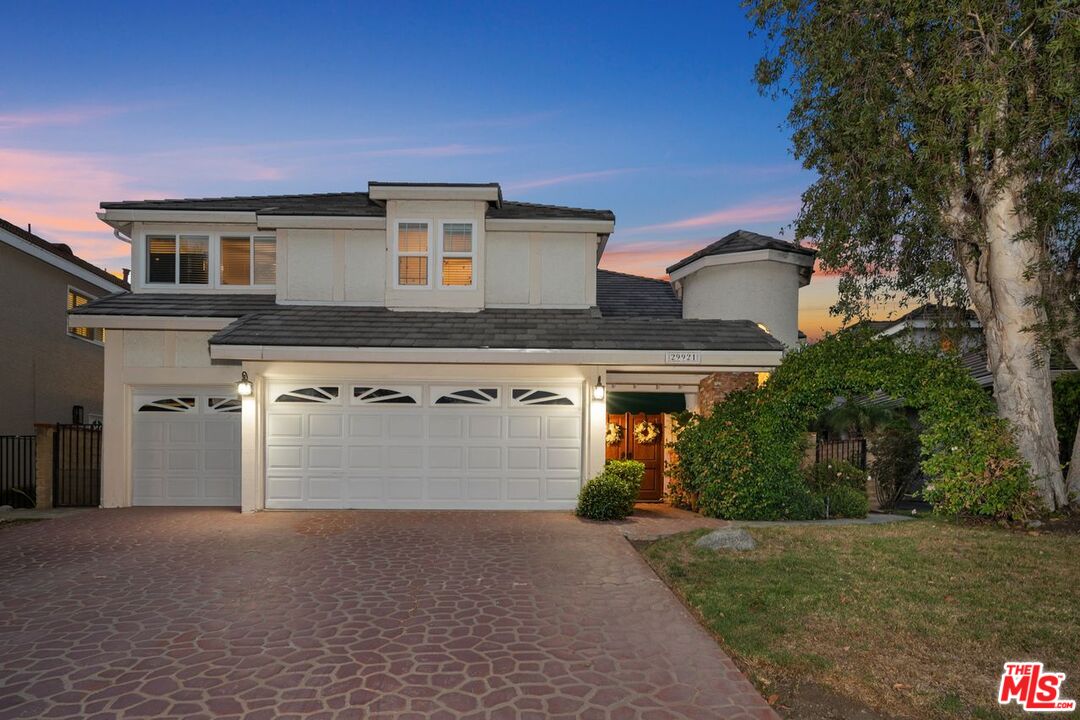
{"points": [[910, 619]]}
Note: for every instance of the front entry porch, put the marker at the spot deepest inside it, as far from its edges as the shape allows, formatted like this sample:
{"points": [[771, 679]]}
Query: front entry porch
{"points": [[639, 427]]}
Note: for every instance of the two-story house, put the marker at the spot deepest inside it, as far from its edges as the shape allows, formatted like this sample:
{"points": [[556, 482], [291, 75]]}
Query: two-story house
{"points": [[412, 346], [52, 371]]}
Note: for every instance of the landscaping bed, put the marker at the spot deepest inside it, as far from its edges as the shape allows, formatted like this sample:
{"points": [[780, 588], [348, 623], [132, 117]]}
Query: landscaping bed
{"points": [[908, 619]]}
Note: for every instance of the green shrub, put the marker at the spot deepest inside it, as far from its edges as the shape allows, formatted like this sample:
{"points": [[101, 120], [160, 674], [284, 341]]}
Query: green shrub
{"points": [[822, 477], [611, 494], [630, 472], [742, 461], [843, 501]]}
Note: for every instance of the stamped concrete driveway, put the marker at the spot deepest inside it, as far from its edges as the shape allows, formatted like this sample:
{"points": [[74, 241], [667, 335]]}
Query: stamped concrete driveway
{"points": [[212, 614]]}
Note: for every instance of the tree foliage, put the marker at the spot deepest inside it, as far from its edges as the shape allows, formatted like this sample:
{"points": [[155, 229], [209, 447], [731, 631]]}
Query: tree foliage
{"points": [[742, 460]]}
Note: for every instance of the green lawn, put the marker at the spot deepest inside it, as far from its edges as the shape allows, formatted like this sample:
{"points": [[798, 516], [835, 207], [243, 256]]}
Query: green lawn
{"points": [[912, 619]]}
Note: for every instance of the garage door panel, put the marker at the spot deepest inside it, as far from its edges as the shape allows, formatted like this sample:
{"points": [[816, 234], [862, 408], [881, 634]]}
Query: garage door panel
{"points": [[285, 426], [182, 432], [148, 432], [525, 427], [182, 487], [325, 425], [477, 450], [187, 460], [330, 456]]}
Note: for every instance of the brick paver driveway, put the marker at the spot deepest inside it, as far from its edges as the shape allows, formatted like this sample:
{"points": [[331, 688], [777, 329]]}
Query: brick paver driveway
{"points": [[213, 614]]}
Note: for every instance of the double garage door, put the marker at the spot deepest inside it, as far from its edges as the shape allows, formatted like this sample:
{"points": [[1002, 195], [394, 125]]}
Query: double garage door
{"points": [[387, 445]]}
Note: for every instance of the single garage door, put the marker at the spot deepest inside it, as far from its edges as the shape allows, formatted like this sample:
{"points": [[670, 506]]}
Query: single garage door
{"points": [[186, 447], [385, 445]]}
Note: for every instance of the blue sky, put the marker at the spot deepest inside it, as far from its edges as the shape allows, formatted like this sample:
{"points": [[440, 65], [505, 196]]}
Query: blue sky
{"points": [[647, 109]]}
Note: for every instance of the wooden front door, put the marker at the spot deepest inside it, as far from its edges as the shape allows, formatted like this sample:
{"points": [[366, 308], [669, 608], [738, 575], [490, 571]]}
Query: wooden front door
{"points": [[651, 455]]}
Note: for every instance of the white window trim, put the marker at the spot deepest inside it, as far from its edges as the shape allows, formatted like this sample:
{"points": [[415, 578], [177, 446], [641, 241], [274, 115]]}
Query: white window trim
{"points": [[431, 271], [441, 254], [71, 330], [213, 283]]}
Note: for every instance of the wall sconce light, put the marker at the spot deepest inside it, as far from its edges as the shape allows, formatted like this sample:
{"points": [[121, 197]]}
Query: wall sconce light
{"points": [[244, 388], [598, 392]]}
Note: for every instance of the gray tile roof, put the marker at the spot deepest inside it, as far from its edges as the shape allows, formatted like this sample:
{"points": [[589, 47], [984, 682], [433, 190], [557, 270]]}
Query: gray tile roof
{"points": [[622, 295], [178, 305], [352, 204], [742, 241], [337, 326]]}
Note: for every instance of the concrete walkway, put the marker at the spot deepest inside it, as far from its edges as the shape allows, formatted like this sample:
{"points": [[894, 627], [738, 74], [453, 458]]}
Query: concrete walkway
{"points": [[204, 613]]}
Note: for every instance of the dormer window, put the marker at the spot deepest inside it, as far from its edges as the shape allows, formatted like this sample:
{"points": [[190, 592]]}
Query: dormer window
{"points": [[413, 250], [458, 251]]}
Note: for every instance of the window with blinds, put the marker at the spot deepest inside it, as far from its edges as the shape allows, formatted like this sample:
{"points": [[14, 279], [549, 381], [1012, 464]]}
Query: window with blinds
{"points": [[457, 255], [183, 260], [412, 248], [77, 299], [248, 260]]}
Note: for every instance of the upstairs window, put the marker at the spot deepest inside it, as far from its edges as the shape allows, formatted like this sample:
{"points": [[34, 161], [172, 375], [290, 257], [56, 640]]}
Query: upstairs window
{"points": [[413, 249], [77, 299], [248, 260], [457, 254], [178, 260]]}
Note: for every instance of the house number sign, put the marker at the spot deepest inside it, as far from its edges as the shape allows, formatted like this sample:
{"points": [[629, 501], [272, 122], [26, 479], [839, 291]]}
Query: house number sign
{"points": [[683, 358]]}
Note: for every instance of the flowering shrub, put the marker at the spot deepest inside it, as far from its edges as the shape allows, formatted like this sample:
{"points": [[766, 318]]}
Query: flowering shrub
{"points": [[826, 475], [742, 461]]}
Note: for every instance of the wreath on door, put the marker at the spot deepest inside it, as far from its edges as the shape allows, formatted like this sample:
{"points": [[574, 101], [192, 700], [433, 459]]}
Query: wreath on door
{"points": [[614, 434], [646, 433]]}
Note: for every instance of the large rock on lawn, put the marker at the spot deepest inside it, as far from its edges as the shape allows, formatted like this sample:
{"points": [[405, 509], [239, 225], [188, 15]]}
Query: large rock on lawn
{"points": [[727, 539]]}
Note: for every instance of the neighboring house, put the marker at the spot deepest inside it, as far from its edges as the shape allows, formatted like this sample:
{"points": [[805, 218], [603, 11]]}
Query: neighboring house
{"points": [[978, 364], [48, 367], [413, 346], [931, 326]]}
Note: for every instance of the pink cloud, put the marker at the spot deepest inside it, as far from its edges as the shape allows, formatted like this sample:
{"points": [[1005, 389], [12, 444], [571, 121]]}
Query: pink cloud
{"points": [[58, 193], [564, 179], [751, 212], [60, 116], [649, 258]]}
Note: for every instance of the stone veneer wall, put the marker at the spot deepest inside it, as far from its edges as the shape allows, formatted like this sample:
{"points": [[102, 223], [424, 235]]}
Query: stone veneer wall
{"points": [[714, 388]]}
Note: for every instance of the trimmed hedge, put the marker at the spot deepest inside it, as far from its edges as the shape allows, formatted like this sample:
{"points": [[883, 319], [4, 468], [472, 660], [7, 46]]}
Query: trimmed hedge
{"points": [[611, 494], [742, 461]]}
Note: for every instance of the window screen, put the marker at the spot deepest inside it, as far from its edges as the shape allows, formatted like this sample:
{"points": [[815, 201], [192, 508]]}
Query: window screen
{"points": [[235, 261], [194, 259]]}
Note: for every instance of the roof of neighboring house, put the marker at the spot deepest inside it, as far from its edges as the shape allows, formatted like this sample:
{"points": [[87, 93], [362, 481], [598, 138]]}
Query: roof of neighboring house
{"points": [[978, 365], [928, 312], [622, 295], [742, 241], [179, 305], [352, 204], [63, 252], [337, 326]]}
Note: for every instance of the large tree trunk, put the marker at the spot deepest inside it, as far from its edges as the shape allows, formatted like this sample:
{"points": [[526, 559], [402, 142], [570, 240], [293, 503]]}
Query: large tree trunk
{"points": [[1072, 483], [1000, 285]]}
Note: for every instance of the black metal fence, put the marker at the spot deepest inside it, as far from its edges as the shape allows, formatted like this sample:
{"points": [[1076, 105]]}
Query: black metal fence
{"points": [[852, 450], [77, 466], [17, 485]]}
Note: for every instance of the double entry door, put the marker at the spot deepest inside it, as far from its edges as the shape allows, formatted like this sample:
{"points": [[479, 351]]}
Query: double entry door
{"points": [[629, 446]]}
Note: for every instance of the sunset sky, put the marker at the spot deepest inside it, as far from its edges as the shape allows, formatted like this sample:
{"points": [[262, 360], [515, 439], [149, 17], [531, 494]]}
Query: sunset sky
{"points": [[644, 110]]}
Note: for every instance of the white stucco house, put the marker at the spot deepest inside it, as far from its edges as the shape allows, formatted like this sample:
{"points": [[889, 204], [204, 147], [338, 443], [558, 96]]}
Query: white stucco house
{"points": [[412, 346]]}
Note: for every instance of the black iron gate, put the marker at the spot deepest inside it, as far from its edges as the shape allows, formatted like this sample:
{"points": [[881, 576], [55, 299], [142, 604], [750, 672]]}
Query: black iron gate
{"points": [[17, 486], [852, 450], [77, 466]]}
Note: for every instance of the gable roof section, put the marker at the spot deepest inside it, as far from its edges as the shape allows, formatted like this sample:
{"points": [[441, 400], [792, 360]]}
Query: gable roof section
{"points": [[349, 204], [63, 255], [369, 327], [622, 295], [742, 241]]}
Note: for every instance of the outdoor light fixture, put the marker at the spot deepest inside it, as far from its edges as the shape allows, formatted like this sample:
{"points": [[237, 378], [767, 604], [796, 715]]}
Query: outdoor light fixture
{"points": [[598, 389], [244, 388]]}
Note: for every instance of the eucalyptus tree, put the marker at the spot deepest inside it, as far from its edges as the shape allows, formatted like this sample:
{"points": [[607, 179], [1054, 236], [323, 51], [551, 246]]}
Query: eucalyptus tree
{"points": [[945, 135]]}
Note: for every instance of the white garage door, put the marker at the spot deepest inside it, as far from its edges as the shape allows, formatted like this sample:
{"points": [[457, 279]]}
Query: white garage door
{"points": [[186, 448], [385, 445]]}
